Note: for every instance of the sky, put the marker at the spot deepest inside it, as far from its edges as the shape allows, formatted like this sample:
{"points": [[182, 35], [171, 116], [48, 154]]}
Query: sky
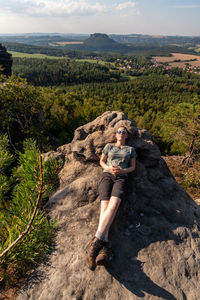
{"points": [[154, 17]]}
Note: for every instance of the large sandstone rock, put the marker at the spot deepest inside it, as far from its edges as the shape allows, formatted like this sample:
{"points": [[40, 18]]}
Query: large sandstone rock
{"points": [[5, 61], [155, 236]]}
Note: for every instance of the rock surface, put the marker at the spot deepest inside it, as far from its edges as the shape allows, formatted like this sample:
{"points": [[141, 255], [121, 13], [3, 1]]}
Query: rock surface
{"points": [[5, 61], [155, 236]]}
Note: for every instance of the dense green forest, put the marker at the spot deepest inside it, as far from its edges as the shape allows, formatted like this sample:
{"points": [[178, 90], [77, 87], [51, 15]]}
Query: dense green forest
{"points": [[51, 114], [45, 72]]}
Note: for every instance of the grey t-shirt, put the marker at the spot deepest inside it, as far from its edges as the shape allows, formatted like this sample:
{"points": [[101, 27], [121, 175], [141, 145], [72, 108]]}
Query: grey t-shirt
{"points": [[118, 156]]}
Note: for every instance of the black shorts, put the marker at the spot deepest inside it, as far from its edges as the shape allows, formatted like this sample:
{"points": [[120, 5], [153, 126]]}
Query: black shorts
{"points": [[111, 185]]}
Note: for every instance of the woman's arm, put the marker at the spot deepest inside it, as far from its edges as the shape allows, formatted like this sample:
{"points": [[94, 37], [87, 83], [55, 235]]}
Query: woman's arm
{"points": [[103, 160]]}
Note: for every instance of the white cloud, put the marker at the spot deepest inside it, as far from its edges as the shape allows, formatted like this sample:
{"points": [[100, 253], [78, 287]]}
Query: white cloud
{"points": [[68, 7], [52, 7], [62, 8], [125, 5]]}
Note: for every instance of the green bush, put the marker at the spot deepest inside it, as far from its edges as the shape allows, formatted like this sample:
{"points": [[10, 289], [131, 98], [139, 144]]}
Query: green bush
{"points": [[191, 179]]}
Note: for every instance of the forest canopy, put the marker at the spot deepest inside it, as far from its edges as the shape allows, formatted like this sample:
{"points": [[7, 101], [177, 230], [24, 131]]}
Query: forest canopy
{"points": [[51, 114]]}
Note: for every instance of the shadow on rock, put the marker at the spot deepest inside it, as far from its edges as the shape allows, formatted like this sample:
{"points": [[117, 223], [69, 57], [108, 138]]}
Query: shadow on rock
{"points": [[138, 282], [150, 243]]}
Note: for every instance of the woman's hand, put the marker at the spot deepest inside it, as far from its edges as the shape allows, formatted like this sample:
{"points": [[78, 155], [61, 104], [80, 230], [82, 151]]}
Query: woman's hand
{"points": [[115, 170], [119, 170]]}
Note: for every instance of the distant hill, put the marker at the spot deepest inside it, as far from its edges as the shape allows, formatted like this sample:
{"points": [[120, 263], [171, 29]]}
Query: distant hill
{"points": [[41, 39], [101, 42], [132, 44], [143, 39], [44, 39]]}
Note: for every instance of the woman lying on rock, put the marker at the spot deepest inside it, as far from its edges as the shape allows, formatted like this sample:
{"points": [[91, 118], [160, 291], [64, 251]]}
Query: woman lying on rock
{"points": [[117, 160]]}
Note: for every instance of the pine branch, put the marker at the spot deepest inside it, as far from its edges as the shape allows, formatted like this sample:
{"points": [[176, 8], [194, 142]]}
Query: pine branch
{"points": [[52, 179], [9, 136], [40, 192]]}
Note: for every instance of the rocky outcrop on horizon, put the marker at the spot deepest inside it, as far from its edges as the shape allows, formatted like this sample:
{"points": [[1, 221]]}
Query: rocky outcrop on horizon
{"points": [[155, 236], [101, 42], [5, 61]]}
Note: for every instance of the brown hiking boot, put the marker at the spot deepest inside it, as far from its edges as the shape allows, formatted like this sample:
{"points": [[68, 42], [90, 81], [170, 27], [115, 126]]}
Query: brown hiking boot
{"points": [[93, 248], [104, 255]]}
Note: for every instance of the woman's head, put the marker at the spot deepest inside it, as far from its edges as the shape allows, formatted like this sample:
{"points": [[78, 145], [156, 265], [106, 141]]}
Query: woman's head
{"points": [[121, 133]]}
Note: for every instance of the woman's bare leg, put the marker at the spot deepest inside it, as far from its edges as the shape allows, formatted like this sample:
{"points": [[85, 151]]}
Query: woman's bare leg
{"points": [[104, 205], [107, 215]]}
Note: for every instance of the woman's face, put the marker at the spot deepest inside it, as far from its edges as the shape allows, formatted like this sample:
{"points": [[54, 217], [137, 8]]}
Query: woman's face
{"points": [[121, 134]]}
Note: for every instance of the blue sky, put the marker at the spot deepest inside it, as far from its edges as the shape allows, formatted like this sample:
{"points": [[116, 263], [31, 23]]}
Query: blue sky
{"points": [[156, 17]]}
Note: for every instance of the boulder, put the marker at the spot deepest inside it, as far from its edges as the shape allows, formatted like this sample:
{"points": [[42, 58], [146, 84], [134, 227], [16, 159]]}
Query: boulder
{"points": [[155, 236], [5, 61]]}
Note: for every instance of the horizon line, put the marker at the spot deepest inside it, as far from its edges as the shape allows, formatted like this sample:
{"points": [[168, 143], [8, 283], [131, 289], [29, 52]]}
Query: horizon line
{"points": [[125, 34]]}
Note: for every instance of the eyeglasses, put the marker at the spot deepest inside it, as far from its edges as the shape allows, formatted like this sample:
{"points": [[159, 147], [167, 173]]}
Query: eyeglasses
{"points": [[122, 131]]}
